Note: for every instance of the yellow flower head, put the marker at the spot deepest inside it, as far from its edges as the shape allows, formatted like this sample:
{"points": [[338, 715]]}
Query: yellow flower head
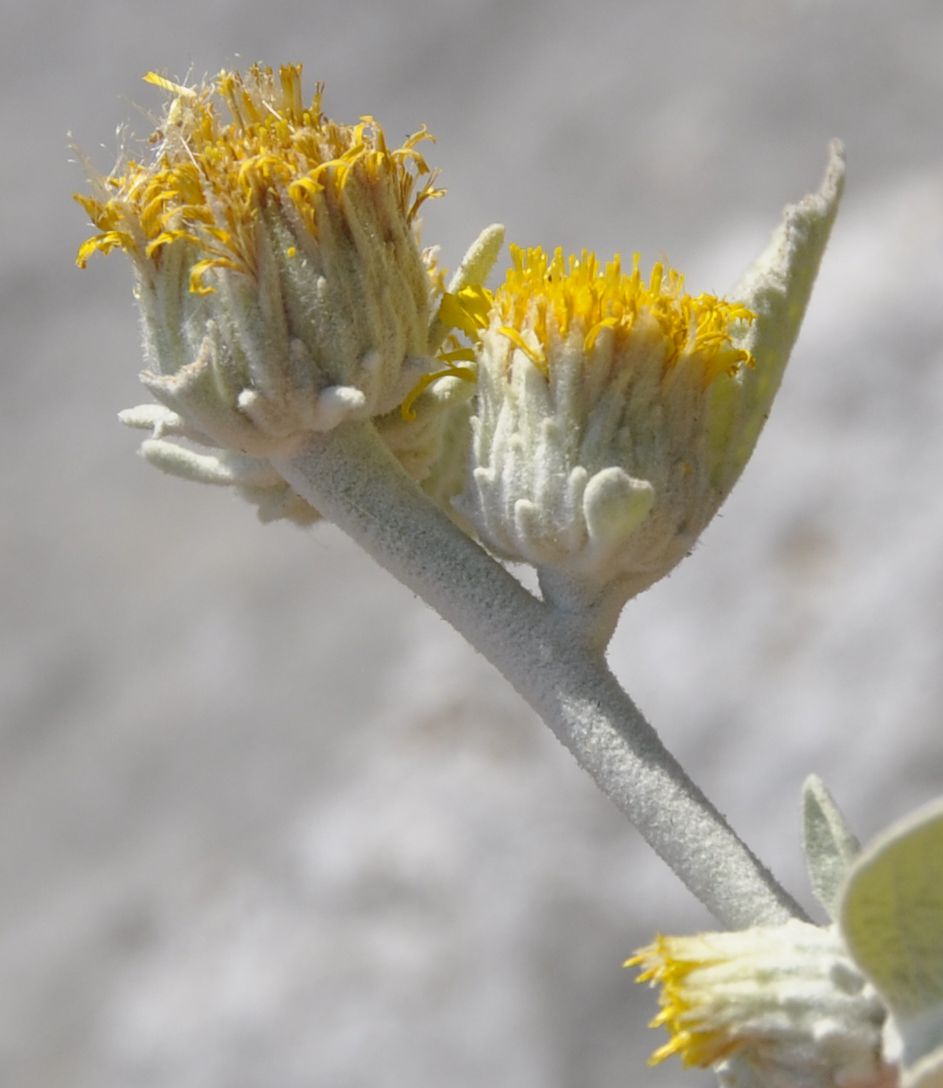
{"points": [[591, 444], [615, 411], [279, 275]]}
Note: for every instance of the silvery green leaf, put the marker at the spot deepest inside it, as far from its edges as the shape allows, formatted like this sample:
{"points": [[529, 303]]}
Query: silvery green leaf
{"points": [[891, 916], [830, 847]]}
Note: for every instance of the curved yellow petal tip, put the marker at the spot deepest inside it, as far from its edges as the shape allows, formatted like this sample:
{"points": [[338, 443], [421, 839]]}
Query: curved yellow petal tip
{"points": [[168, 84]]}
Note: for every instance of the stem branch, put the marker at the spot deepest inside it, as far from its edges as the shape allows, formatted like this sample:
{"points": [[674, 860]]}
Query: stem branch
{"points": [[353, 479]]}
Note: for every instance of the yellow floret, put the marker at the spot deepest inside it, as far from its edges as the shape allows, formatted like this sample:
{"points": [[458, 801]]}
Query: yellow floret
{"points": [[552, 297], [213, 179], [686, 1012]]}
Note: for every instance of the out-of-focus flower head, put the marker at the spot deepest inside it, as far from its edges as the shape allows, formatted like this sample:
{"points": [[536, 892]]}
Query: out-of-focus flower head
{"points": [[786, 1002], [854, 1004]]}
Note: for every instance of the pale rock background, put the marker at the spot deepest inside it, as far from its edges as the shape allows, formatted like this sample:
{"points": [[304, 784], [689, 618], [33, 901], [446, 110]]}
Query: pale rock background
{"points": [[264, 819]]}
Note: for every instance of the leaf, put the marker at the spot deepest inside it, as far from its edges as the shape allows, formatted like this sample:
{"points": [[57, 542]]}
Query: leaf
{"points": [[891, 916], [830, 848]]}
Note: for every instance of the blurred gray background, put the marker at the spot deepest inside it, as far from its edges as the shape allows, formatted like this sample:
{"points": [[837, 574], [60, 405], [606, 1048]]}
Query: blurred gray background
{"points": [[264, 819]]}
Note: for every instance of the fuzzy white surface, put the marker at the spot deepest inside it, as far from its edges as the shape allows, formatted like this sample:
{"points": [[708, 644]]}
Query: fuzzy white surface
{"points": [[264, 820]]}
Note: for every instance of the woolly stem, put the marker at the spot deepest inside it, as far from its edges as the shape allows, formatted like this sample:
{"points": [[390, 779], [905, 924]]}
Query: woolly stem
{"points": [[351, 477], [597, 613]]}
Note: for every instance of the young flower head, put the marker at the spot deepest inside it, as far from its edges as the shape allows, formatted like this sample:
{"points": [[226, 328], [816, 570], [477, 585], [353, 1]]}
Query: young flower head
{"points": [[278, 272], [777, 1006], [616, 410]]}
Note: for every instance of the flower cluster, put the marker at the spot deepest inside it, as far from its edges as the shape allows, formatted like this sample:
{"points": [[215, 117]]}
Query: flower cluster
{"points": [[583, 418]]}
